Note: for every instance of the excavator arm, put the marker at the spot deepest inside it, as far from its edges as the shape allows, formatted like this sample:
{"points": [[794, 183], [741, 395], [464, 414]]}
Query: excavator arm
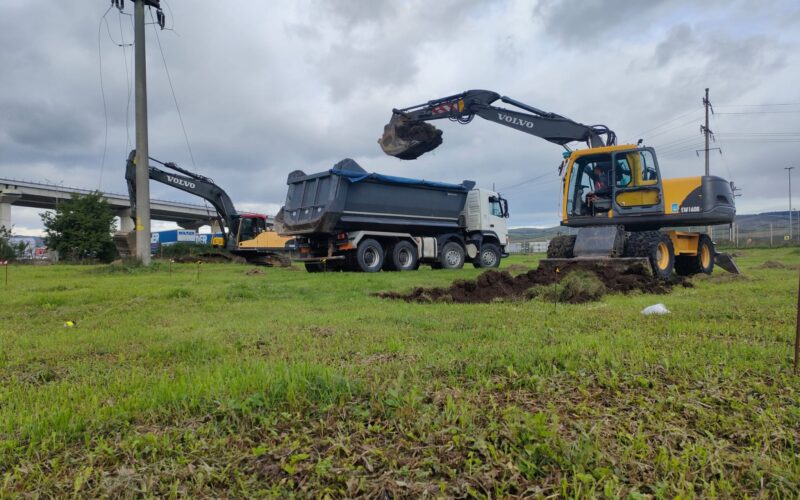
{"points": [[407, 136], [195, 184]]}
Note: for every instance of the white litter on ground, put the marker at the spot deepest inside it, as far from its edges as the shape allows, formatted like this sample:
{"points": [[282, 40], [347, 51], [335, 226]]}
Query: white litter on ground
{"points": [[655, 309]]}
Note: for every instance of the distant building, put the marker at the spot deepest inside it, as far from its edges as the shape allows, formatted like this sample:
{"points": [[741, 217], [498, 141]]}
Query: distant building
{"points": [[528, 246], [34, 247]]}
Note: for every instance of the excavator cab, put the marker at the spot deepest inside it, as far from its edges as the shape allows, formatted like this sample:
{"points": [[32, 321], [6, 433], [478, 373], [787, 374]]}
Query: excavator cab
{"points": [[613, 183]]}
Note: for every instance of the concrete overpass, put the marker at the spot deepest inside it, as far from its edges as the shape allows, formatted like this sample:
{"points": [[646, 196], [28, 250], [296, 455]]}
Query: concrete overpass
{"points": [[47, 196]]}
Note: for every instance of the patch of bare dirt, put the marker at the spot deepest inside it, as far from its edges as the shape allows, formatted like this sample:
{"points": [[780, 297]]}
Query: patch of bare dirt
{"points": [[254, 272], [517, 268], [494, 285], [775, 264]]}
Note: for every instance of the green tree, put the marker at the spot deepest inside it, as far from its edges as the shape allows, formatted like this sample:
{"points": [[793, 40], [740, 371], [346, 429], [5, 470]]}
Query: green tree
{"points": [[80, 228], [9, 250]]}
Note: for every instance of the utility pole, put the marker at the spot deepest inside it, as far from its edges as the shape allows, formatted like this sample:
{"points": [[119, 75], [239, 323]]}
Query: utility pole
{"points": [[789, 169], [705, 130], [142, 148], [708, 135]]}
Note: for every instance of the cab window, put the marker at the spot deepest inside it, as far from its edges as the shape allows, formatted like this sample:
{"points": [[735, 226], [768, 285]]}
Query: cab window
{"points": [[495, 208], [635, 169], [623, 172]]}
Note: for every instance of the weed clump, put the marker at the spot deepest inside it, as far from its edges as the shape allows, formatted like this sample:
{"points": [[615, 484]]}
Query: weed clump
{"points": [[179, 293], [127, 266], [576, 288]]}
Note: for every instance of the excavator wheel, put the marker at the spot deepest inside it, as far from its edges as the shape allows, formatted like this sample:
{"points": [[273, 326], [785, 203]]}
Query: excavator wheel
{"points": [[703, 262], [561, 247], [656, 247]]}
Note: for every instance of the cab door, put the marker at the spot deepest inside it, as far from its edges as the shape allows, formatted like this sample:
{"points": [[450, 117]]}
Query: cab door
{"points": [[637, 183], [497, 217]]}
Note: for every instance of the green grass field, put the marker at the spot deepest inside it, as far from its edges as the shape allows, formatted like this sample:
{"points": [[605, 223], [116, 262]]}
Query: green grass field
{"points": [[291, 383]]}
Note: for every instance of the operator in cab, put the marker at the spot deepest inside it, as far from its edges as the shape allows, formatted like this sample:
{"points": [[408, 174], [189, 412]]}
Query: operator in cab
{"points": [[601, 177]]}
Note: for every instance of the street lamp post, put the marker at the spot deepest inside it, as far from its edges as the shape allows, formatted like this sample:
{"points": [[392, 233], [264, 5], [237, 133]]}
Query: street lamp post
{"points": [[789, 169]]}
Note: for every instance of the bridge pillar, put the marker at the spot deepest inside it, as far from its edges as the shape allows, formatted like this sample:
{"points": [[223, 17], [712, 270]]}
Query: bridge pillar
{"points": [[125, 221], [7, 197]]}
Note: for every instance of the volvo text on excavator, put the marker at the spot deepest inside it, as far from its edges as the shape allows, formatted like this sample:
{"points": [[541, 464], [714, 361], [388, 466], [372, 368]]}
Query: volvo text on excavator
{"points": [[248, 235], [614, 194]]}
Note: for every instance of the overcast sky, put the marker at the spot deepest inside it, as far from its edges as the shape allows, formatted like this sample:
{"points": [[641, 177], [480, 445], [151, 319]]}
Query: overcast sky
{"points": [[266, 88]]}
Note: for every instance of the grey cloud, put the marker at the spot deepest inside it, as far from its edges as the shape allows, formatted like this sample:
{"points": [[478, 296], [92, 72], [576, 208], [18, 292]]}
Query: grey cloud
{"points": [[47, 126], [581, 23], [269, 87]]}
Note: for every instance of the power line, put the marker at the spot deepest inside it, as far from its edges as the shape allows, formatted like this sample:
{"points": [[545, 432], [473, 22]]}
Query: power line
{"points": [[758, 112], [172, 90], [128, 82], [103, 94], [526, 181], [640, 134], [758, 105]]}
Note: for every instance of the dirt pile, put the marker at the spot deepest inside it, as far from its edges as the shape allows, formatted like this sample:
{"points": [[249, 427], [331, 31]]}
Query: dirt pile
{"points": [[775, 264], [595, 278], [210, 258]]}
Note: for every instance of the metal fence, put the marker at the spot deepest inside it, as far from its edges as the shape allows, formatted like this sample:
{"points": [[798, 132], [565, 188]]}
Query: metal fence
{"points": [[766, 230]]}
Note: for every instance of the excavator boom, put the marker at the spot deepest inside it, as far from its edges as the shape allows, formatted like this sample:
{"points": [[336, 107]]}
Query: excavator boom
{"points": [[407, 135], [192, 183]]}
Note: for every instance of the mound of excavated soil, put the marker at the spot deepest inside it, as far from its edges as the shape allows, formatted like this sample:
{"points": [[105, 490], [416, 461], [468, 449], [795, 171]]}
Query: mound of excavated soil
{"points": [[493, 285]]}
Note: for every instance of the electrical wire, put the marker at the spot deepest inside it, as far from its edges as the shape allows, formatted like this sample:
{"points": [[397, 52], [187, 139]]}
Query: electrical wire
{"points": [[641, 134], [177, 106], [174, 98], [103, 94], [526, 181], [128, 82], [758, 112]]}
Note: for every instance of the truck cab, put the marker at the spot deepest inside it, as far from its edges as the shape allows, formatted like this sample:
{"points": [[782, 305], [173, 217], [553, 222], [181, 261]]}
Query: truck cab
{"points": [[486, 214]]}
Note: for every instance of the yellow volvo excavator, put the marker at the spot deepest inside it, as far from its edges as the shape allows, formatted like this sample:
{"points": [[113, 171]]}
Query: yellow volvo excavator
{"points": [[248, 235], [614, 194]]}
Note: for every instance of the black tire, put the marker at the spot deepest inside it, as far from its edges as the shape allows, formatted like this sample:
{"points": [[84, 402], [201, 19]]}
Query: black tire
{"points": [[703, 262], [489, 257], [314, 267], [561, 247], [452, 256], [656, 247], [369, 256], [404, 256], [388, 262]]}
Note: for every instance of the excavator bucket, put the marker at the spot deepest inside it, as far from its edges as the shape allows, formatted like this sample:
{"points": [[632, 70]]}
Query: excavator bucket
{"points": [[407, 139]]}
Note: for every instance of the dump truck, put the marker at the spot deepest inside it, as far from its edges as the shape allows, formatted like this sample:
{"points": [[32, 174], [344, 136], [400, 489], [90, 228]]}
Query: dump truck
{"points": [[614, 195], [347, 219]]}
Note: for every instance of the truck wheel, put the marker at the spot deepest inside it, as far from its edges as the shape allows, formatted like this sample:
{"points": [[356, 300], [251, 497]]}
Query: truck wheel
{"points": [[452, 256], [489, 256], [314, 267], [703, 262], [369, 256], [404, 256]]}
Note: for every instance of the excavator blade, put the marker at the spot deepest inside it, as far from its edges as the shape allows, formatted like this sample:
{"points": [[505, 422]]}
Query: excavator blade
{"points": [[408, 140], [725, 261]]}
